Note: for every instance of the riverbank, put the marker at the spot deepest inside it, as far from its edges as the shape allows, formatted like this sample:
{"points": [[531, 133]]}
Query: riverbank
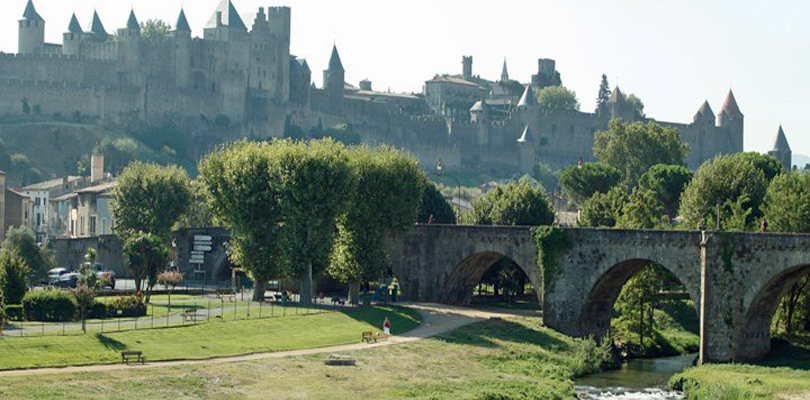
{"points": [[784, 374], [497, 358], [675, 333]]}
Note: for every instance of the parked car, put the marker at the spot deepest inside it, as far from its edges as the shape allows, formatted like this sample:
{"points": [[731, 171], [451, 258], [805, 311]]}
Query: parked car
{"points": [[56, 273], [68, 280], [104, 274]]}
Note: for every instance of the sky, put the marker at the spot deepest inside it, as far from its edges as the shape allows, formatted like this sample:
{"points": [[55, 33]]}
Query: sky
{"points": [[673, 54]]}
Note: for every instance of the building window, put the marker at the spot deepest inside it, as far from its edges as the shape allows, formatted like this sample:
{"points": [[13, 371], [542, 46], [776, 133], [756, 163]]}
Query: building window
{"points": [[81, 226], [38, 220], [36, 201], [92, 230]]}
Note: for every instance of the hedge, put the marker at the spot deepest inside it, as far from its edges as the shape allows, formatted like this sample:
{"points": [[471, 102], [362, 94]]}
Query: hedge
{"points": [[49, 305], [130, 306], [14, 312]]}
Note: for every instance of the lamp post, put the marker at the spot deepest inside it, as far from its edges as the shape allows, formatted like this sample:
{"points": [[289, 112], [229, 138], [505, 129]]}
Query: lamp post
{"points": [[458, 186]]}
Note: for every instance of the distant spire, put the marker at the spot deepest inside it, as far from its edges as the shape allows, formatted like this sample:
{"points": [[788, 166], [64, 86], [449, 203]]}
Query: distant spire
{"points": [[527, 136], [74, 26], [504, 73], [617, 96], [730, 105], [182, 22], [334, 60], [97, 28], [528, 98], [31, 13], [780, 142], [705, 112], [132, 22], [230, 17]]}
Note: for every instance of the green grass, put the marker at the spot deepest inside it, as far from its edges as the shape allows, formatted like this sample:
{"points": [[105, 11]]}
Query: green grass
{"points": [[204, 340], [785, 372], [495, 359], [675, 332]]}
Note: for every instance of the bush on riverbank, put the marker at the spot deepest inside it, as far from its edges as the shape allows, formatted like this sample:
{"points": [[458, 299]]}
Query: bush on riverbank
{"points": [[674, 333]]}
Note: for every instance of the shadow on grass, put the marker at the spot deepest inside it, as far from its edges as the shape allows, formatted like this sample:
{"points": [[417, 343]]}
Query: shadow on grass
{"points": [[488, 333], [785, 354], [110, 343], [402, 319]]}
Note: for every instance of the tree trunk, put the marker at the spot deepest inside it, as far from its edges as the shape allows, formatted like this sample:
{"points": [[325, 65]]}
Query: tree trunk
{"points": [[306, 287], [354, 292], [84, 318], [259, 287]]}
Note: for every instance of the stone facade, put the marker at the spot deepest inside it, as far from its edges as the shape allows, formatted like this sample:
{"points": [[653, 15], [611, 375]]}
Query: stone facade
{"points": [[250, 77], [746, 274]]}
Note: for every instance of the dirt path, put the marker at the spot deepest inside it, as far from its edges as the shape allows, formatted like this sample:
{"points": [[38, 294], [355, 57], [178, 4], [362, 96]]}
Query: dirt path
{"points": [[436, 319]]}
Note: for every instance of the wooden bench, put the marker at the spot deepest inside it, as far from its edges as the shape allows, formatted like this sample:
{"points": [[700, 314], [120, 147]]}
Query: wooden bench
{"points": [[191, 314], [137, 356], [229, 293], [381, 336]]}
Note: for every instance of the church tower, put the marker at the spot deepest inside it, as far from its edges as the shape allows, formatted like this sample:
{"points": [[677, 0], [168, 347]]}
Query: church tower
{"points": [[31, 38], [781, 150], [334, 79], [504, 72]]}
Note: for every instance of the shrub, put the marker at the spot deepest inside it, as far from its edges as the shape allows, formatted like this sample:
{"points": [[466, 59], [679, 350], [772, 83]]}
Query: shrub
{"points": [[97, 309], [14, 312], [130, 306], [13, 276], [49, 305]]}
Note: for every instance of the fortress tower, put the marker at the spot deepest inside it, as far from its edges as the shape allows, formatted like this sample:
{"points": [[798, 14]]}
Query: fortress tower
{"points": [[72, 39], [182, 55], [31, 39], [781, 150], [334, 80], [731, 123], [466, 68]]}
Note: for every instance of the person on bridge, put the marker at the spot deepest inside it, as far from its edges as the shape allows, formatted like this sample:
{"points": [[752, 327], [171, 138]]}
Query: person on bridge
{"points": [[387, 326], [764, 224]]}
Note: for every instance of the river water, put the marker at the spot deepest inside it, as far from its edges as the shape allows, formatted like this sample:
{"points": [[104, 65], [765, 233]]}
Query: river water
{"points": [[640, 379]]}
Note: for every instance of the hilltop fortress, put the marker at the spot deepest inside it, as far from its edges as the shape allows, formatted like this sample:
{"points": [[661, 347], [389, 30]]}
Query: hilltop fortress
{"points": [[249, 76]]}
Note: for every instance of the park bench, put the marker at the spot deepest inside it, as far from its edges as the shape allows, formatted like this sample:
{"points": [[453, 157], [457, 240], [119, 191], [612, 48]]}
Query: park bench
{"points": [[229, 293], [137, 356], [191, 314], [381, 336]]}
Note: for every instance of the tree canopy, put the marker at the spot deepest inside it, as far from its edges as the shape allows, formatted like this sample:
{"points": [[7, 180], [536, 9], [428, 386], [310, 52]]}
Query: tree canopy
{"points": [[22, 241], [579, 182], [154, 29], [787, 203], [603, 96], [147, 255], [602, 209], [733, 182], [515, 203], [150, 199], [633, 148], [436, 206], [667, 182], [557, 98], [769, 166], [636, 105]]}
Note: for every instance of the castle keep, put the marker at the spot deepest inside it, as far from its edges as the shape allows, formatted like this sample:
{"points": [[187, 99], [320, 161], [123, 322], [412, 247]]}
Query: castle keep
{"points": [[248, 75]]}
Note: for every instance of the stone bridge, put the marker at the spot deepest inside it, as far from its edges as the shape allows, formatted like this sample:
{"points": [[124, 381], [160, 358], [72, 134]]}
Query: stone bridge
{"points": [[735, 280]]}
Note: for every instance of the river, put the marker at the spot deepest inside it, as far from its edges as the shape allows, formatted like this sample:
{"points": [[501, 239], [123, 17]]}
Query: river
{"points": [[640, 379]]}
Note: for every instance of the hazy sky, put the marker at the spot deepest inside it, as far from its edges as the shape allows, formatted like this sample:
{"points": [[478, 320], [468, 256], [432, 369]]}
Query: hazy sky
{"points": [[673, 54]]}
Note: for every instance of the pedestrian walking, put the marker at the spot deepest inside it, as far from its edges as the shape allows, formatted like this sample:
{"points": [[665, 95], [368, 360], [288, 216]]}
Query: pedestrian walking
{"points": [[764, 225], [387, 326]]}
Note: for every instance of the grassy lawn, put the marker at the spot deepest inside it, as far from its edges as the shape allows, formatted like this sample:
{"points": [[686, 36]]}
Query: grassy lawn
{"points": [[495, 359], [205, 340]]}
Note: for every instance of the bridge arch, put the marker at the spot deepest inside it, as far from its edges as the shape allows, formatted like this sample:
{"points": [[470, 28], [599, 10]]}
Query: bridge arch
{"points": [[597, 308], [754, 331], [459, 285]]}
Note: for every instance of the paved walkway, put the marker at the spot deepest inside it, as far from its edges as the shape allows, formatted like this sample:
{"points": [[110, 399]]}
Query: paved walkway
{"points": [[436, 319]]}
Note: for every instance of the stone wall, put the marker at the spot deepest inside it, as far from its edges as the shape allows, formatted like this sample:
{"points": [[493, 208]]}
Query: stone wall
{"points": [[69, 253]]}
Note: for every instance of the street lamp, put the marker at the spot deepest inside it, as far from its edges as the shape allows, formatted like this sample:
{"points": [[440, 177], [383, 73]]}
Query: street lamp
{"points": [[458, 186]]}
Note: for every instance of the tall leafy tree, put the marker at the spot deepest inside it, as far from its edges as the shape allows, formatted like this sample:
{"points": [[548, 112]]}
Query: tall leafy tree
{"points": [[580, 182], [515, 203], [603, 96], [733, 182], [435, 207], [147, 255], [633, 148], [154, 29], [150, 199], [769, 166], [387, 197], [13, 276], [557, 98], [787, 203], [39, 259], [667, 182], [602, 209], [636, 105], [243, 181], [315, 190]]}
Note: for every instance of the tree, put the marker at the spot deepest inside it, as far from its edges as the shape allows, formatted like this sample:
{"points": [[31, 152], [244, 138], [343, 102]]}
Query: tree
{"points": [[733, 182], [243, 182], [603, 96], [38, 258], [547, 176], [515, 203], [557, 98], [170, 279], [154, 29], [769, 166], [580, 182], [387, 198], [602, 209], [633, 148], [667, 182], [13, 276], [642, 210], [436, 206], [150, 199], [199, 213], [317, 186], [84, 295], [147, 256], [636, 105], [787, 203]]}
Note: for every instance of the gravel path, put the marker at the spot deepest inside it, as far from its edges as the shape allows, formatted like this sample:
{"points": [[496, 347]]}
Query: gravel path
{"points": [[436, 319]]}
